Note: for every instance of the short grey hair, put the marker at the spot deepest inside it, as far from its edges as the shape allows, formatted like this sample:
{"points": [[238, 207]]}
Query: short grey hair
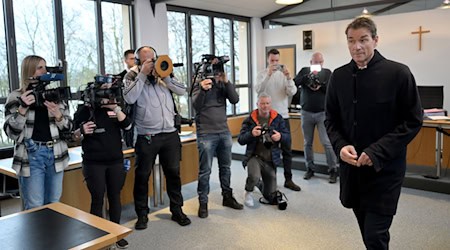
{"points": [[263, 94]]}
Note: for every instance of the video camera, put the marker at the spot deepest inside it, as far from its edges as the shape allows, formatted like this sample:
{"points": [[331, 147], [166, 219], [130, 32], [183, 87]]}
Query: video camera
{"points": [[41, 94], [94, 93], [209, 67]]}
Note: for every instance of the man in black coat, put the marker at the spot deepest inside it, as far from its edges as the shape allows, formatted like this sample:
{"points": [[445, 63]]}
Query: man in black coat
{"points": [[373, 111]]}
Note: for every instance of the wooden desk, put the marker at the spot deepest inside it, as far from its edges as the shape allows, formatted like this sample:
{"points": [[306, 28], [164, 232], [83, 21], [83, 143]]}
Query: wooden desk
{"points": [[111, 232], [439, 127], [76, 194], [295, 123], [429, 148]]}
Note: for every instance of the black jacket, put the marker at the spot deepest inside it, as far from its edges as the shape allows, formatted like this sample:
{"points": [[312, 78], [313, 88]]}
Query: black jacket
{"points": [[311, 101], [101, 147], [276, 122], [378, 111]]}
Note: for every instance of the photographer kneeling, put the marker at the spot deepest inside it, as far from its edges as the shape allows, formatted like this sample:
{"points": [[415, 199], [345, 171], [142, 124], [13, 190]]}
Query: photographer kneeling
{"points": [[98, 123], [262, 132]]}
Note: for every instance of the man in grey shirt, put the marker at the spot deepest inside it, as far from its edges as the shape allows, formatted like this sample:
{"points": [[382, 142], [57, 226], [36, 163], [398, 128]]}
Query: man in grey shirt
{"points": [[213, 136], [157, 135]]}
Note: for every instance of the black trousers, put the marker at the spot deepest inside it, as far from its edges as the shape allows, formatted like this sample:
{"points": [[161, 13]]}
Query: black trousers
{"points": [[99, 177], [168, 147], [374, 228], [287, 154]]}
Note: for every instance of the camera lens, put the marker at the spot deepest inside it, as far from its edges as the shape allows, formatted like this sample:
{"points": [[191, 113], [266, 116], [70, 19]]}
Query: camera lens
{"points": [[164, 65]]}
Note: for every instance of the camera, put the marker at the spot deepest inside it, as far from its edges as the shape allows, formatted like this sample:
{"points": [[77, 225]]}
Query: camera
{"points": [[211, 65], [94, 93], [266, 133], [279, 67], [41, 94], [163, 66]]}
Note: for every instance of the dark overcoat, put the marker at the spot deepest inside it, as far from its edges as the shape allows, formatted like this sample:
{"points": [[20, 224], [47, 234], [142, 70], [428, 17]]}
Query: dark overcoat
{"points": [[377, 110]]}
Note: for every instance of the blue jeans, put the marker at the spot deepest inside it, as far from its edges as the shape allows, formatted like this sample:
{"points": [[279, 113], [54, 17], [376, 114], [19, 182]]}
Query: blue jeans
{"points": [[44, 185], [309, 121], [208, 145]]}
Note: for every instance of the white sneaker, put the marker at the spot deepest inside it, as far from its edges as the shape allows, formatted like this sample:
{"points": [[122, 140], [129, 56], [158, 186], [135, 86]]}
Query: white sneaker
{"points": [[248, 199]]}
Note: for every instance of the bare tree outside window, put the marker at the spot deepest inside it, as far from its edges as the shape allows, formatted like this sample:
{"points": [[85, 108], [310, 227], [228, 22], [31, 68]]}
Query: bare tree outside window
{"points": [[80, 42], [177, 52], [116, 35]]}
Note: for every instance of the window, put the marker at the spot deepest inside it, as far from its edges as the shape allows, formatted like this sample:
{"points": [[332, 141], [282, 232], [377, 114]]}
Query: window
{"points": [[212, 33], [241, 66], [4, 80], [35, 30], [177, 52], [4, 83], [80, 42], [38, 30], [116, 35]]}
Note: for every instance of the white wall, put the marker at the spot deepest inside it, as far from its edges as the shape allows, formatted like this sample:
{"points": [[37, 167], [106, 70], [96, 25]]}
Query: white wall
{"points": [[396, 42], [151, 30], [429, 66]]}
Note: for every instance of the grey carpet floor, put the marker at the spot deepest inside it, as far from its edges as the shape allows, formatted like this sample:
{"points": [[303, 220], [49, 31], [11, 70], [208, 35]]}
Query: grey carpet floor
{"points": [[314, 219]]}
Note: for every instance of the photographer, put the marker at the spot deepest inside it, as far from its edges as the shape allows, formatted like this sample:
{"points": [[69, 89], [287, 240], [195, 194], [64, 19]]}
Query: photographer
{"points": [[157, 135], [276, 81], [312, 81], [40, 154], [263, 132], [213, 135], [99, 124]]}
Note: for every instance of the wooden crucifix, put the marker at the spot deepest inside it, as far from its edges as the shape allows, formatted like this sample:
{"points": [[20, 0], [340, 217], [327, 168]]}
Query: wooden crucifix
{"points": [[420, 32]]}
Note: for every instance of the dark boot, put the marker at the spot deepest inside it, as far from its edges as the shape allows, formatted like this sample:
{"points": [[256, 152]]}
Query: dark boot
{"points": [[309, 173], [333, 176], [179, 217], [203, 210], [230, 201], [291, 185], [141, 222]]}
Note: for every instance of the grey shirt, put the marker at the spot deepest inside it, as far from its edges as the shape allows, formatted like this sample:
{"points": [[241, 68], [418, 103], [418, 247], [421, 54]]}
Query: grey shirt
{"points": [[154, 104], [211, 107]]}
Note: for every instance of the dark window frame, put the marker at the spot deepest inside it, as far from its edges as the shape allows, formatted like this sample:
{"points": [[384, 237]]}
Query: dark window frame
{"points": [[211, 15], [11, 47]]}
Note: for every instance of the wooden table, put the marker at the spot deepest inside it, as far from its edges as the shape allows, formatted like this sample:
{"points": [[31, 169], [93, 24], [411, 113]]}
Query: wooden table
{"points": [[94, 233], [76, 194], [439, 125]]}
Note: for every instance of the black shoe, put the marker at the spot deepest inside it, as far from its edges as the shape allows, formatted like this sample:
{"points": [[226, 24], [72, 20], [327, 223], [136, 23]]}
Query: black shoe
{"points": [[203, 210], [333, 176], [181, 219], [291, 185], [309, 173], [141, 222], [230, 201], [122, 244]]}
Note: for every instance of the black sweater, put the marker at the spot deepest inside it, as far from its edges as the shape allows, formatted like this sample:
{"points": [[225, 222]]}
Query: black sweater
{"points": [[103, 147], [311, 101]]}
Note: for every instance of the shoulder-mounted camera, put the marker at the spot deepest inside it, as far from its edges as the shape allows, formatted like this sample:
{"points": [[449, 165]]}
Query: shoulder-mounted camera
{"points": [[211, 65], [42, 93], [95, 93]]}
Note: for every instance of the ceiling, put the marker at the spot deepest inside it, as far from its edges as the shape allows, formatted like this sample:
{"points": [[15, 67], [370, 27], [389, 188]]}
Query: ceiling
{"points": [[310, 11]]}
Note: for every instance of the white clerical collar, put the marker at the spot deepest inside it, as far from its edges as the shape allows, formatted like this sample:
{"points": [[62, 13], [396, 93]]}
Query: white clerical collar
{"points": [[363, 67]]}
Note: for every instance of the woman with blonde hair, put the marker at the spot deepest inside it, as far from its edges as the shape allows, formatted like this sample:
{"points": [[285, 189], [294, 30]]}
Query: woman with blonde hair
{"points": [[40, 155]]}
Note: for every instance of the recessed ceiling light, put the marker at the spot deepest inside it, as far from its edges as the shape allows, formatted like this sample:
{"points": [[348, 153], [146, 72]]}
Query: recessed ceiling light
{"points": [[288, 2]]}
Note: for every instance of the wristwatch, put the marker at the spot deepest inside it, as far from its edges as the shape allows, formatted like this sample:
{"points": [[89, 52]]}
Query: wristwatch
{"points": [[117, 109]]}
